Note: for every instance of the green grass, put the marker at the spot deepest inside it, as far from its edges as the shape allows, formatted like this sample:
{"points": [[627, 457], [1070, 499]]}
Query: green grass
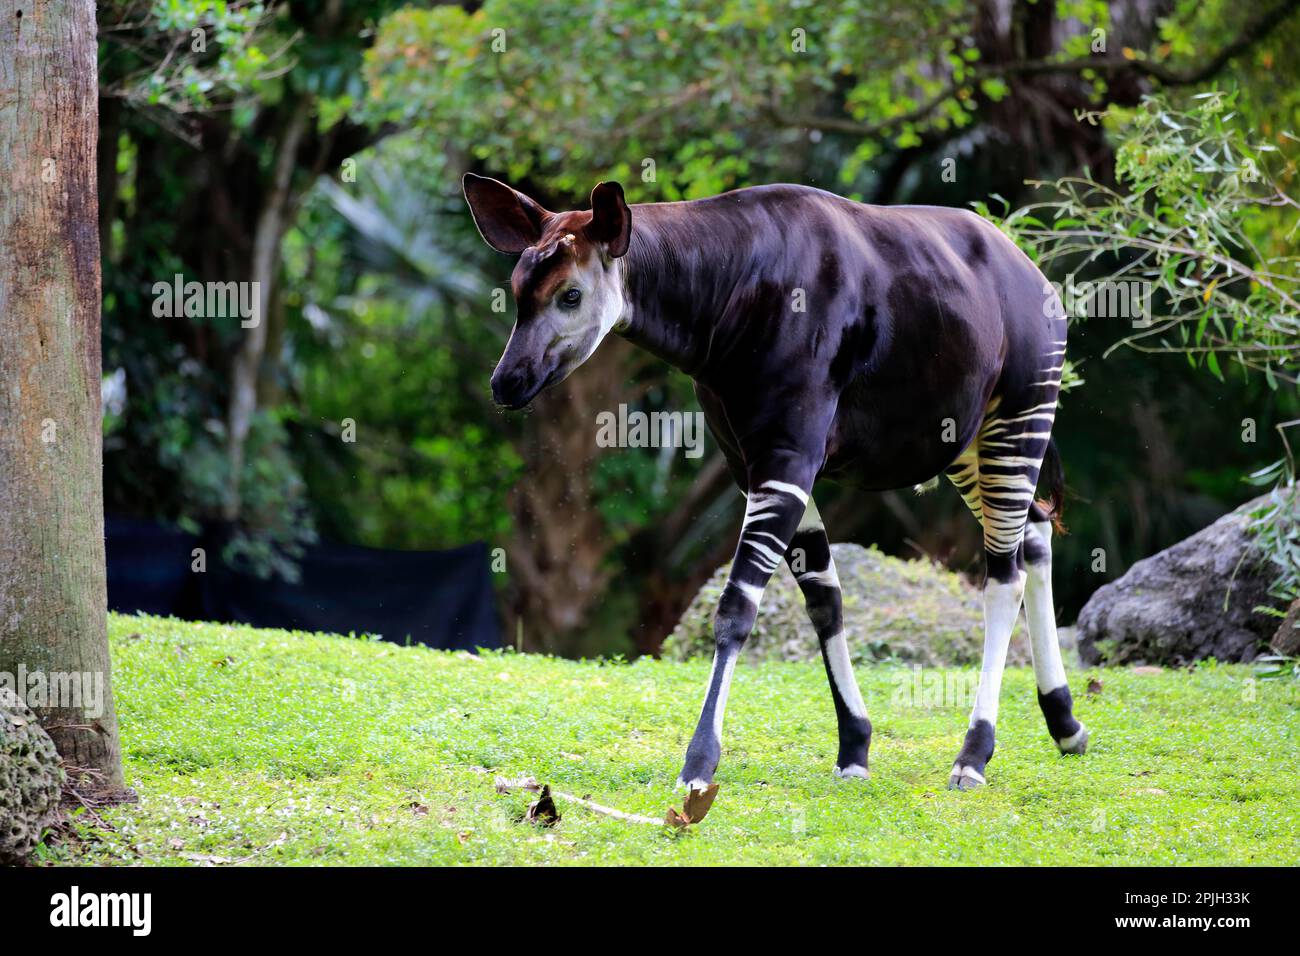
{"points": [[273, 747]]}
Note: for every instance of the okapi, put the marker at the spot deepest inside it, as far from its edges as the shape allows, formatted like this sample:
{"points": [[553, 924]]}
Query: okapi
{"points": [[926, 343]]}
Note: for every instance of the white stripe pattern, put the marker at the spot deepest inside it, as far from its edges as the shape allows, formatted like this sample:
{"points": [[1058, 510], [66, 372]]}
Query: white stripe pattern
{"points": [[786, 488], [828, 579]]}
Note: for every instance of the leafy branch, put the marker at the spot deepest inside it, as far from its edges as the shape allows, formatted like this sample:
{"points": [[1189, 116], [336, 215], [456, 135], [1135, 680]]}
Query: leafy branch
{"points": [[1195, 194]]}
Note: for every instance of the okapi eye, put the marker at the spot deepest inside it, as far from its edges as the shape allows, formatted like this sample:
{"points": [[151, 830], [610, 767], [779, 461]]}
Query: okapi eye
{"points": [[570, 298]]}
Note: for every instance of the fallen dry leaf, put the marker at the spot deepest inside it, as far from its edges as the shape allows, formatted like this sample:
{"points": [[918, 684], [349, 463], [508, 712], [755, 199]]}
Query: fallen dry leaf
{"points": [[1148, 669], [676, 819], [542, 810], [698, 802], [1094, 687], [696, 808]]}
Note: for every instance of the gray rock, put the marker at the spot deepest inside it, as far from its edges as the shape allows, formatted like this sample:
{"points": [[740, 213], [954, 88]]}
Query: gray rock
{"points": [[1287, 639], [1170, 608], [31, 780], [893, 610]]}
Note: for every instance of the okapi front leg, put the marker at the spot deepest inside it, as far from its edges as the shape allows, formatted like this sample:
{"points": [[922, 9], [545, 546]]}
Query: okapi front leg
{"points": [[813, 566], [772, 512]]}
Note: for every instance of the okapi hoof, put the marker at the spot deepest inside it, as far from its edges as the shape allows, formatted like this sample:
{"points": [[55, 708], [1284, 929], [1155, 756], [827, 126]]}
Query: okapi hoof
{"points": [[975, 754], [1078, 744], [965, 778], [852, 771]]}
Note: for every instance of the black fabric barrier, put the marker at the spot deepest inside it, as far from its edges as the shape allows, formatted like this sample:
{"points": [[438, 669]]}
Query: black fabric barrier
{"points": [[441, 599], [149, 568]]}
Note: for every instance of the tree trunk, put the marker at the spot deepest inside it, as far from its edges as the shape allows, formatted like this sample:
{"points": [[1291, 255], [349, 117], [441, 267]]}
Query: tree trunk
{"points": [[52, 587], [247, 367], [558, 552]]}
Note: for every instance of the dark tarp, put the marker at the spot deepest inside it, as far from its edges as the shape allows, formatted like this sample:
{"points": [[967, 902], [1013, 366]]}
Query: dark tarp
{"points": [[442, 599], [149, 568]]}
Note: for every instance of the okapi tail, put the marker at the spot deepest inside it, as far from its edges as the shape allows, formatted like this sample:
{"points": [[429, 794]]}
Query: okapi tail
{"points": [[1051, 479]]}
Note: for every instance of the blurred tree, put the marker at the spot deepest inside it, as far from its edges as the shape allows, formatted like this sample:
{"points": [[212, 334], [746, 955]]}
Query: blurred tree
{"points": [[218, 119]]}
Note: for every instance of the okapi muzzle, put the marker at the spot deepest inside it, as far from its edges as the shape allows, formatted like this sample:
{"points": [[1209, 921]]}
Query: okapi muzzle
{"points": [[528, 365], [874, 346]]}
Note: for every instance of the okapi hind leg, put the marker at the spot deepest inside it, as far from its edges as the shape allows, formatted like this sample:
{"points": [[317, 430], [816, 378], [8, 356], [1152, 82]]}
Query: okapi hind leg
{"points": [[813, 567], [773, 509], [1070, 736], [1004, 588], [997, 477]]}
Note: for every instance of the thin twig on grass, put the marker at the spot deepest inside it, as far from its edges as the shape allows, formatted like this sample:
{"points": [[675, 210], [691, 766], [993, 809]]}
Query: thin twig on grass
{"points": [[697, 803]]}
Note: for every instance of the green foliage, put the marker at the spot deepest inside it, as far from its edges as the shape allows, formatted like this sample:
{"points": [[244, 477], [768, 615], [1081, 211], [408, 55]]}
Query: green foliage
{"points": [[273, 498], [388, 338], [195, 52], [195, 93], [267, 747], [1194, 191], [1277, 667], [271, 487], [1276, 525], [695, 89]]}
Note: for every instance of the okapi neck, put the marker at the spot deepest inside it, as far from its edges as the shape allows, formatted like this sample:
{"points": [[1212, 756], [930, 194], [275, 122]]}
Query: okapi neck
{"points": [[678, 278]]}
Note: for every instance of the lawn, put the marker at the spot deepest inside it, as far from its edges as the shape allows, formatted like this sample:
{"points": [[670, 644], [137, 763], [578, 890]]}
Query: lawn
{"points": [[267, 747]]}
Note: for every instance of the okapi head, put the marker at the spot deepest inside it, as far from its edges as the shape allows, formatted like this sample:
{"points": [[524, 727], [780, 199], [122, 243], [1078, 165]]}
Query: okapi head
{"points": [[568, 284]]}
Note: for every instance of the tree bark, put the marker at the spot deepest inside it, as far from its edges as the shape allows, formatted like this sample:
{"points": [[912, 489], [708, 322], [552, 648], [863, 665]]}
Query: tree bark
{"points": [[52, 587], [558, 553]]}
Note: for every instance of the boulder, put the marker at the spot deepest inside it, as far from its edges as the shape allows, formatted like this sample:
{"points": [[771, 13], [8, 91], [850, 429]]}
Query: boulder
{"points": [[1195, 600], [900, 610], [31, 780], [1287, 639]]}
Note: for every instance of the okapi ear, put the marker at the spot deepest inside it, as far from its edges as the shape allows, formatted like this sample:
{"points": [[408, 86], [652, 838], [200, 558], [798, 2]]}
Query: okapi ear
{"points": [[611, 220], [507, 220]]}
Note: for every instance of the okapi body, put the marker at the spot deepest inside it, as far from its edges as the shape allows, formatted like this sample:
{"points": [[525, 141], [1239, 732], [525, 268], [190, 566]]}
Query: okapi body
{"points": [[876, 346]]}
